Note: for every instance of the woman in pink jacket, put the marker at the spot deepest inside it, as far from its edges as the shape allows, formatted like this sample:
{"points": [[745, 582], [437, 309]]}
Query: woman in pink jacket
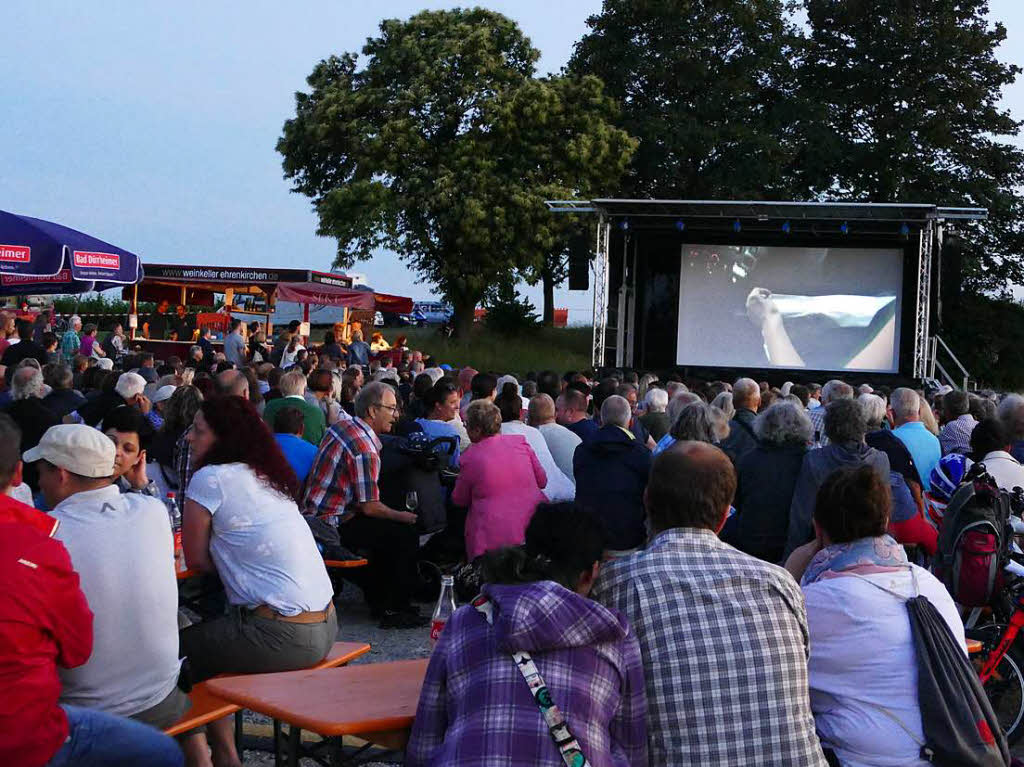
{"points": [[500, 482]]}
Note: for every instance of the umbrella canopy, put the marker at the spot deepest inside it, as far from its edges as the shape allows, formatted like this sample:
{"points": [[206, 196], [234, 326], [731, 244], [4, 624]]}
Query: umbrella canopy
{"points": [[39, 256]]}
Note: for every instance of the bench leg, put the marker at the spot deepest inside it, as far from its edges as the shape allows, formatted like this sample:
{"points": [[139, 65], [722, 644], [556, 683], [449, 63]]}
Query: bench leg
{"points": [[278, 745], [294, 741], [238, 732]]}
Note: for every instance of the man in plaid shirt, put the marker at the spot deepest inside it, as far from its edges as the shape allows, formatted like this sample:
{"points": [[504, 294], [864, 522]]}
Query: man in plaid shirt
{"points": [[342, 488], [723, 635], [955, 436]]}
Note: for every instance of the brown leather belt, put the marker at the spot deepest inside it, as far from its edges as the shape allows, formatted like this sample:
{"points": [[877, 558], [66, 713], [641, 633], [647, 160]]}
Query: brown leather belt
{"points": [[313, 616]]}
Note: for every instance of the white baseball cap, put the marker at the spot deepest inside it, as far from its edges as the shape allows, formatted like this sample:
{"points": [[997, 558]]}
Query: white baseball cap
{"points": [[129, 385], [80, 449], [163, 393]]}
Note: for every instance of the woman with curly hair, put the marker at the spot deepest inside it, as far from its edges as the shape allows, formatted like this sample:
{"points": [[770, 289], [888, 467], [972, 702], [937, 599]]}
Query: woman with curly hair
{"points": [[241, 521]]}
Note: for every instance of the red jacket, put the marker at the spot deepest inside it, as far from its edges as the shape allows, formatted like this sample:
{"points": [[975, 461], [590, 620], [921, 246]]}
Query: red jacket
{"points": [[44, 621]]}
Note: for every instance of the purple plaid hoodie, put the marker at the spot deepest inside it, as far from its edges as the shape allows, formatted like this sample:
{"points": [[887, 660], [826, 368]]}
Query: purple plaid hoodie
{"points": [[476, 711]]}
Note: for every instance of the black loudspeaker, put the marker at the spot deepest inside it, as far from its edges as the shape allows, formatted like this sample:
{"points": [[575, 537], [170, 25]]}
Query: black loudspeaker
{"points": [[949, 278], [579, 262]]}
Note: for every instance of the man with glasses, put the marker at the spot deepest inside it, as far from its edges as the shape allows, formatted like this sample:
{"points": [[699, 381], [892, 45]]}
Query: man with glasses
{"points": [[342, 488]]}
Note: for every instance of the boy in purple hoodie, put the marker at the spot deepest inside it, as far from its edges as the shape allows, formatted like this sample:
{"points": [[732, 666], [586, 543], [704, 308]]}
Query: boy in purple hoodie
{"points": [[475, 702]]}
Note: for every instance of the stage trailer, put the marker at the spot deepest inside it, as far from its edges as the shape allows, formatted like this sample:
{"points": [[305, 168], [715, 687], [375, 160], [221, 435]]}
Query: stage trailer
{"points": [[812, 288]]}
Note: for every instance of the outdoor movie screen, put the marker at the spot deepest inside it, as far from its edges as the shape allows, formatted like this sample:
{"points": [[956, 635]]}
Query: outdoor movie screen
{"points": [[764, 306]]}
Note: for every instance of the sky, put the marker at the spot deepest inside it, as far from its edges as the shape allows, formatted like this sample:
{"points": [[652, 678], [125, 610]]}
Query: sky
{"points": [[152, 125]]}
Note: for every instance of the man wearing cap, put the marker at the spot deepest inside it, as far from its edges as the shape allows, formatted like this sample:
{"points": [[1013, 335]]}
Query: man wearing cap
{"points": [[129, 390], [122, 548], [46, 625], [159, 401]]}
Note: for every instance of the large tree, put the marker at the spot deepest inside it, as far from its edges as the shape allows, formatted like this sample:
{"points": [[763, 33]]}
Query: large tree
{"points": [[707, 87], [443, 148], [904, 105]]}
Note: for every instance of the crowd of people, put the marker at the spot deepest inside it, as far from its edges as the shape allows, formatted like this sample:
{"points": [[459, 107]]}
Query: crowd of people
{"points": [[698, 572]]}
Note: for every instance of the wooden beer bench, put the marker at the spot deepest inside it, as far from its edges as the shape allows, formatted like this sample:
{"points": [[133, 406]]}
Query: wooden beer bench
{"points": [[375, 702], [208, 707]]}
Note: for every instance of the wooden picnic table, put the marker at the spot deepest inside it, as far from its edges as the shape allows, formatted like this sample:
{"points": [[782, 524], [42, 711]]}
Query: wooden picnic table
{"points": [[374, 701]]}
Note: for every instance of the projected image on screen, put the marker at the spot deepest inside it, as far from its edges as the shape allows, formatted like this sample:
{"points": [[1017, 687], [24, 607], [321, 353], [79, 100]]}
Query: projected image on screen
{"points": [[818, 308]]}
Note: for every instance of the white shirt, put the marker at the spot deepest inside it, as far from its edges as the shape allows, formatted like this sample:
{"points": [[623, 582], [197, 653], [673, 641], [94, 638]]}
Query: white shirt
{"points": [[460, 429], [121, 547], [288, 357], [862, 657], [263, 549], [560, 487], [562, 443], [1005, 469]]}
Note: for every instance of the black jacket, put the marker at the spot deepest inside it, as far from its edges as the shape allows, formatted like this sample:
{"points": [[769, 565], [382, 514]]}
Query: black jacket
{"points": [[741, 439], [766, 477], [63, 401], [611, 471], [33, 418]]}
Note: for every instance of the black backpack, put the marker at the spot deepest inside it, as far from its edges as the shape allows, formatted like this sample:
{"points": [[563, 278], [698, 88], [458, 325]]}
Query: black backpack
{"points": [[959, 726], [974, 539], [415, 462]]}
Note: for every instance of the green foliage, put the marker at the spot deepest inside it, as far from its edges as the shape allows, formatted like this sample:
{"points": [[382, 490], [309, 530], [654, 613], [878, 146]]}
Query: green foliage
{"points": [[96, 303], [508, 313], [541, 349], [987, 335], [707, 86], [901, 104], [444, 147]]}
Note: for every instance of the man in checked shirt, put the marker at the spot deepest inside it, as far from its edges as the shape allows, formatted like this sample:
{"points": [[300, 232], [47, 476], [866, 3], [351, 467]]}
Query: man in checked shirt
{"points": [[723, 635], [342, 488]]}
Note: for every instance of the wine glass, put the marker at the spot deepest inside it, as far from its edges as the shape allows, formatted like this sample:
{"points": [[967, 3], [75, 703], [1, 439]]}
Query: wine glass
{"points": [[412, 501]]}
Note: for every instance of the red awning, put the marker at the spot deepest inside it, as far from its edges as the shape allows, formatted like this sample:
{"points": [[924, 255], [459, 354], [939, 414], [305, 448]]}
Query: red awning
{"points": [[322, 294], [396, 304]]}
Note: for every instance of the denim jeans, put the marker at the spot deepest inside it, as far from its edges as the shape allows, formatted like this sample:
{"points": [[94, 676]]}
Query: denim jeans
{"points": [[99, 739]]}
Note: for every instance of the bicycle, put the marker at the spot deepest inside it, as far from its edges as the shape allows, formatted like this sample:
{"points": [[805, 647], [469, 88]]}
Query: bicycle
{"points": [[1000, 661]]}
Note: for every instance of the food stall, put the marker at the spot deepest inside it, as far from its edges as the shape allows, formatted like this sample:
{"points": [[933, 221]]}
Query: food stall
{"points": [[245, 291]]}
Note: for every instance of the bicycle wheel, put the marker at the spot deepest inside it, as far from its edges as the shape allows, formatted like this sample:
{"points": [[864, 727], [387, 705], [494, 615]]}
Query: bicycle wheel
{"points": [[1005, 688]]}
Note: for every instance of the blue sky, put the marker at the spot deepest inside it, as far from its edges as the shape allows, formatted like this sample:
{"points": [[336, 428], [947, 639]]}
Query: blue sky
{"points": [[153, 125]]}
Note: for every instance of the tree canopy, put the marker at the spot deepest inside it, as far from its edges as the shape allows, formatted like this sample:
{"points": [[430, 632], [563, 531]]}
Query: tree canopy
{"points": [[706, 85], [444, 146], [902, 104]]}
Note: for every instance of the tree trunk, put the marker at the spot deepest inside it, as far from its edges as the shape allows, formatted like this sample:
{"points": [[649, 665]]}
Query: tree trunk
{"points": [[463, 307], [549, 298]]}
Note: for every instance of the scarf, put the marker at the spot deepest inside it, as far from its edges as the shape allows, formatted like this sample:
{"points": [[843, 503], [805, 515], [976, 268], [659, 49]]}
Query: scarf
{"points": [[860, 557]]}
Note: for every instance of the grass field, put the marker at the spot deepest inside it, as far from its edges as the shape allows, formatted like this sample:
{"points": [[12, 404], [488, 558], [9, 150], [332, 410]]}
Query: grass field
{"points": [[559, 349]]}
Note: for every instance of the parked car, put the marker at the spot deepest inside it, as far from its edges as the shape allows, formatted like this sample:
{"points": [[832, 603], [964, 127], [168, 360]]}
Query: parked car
{"points": [[434, 312], [396, 320]]}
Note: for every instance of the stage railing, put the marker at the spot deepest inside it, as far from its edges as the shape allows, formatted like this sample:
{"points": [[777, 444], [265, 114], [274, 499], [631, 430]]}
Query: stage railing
{"points": [[937, 366]]}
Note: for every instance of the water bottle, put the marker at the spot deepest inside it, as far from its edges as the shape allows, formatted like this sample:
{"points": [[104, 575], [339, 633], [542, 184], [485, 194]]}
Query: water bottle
{"points": [[445, 608], [175, 517]]}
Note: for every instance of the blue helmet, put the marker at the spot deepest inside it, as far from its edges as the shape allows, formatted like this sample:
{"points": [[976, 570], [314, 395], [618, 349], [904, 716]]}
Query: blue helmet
{"points": [[947, 476]]}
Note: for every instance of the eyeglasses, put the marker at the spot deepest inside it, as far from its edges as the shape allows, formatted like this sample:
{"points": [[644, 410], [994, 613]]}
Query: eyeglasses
{"points": [[392, 408]]}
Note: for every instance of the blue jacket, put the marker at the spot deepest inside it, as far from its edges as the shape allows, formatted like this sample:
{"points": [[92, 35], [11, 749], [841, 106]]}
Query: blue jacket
{"points": [[611, 471]]}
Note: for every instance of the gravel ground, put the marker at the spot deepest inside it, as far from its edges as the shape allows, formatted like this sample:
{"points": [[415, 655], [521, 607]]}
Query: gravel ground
{"points": [[354, 625]]}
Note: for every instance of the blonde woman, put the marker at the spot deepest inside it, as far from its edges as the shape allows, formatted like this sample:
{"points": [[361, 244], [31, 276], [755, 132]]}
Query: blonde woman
{"points": [[928, 417]]}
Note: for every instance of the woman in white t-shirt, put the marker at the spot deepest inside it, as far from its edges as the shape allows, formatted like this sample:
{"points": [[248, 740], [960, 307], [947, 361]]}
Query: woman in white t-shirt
{"points": [[241, 521]]}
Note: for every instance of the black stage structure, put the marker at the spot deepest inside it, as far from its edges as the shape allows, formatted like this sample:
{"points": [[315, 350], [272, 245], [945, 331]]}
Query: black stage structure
{"points": [[635, 267]]}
